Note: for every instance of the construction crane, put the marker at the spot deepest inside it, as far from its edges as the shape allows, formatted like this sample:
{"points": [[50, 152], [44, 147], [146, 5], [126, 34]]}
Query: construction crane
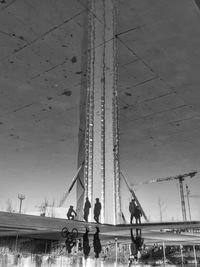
{"points": [[180, 178], [188, 195]]}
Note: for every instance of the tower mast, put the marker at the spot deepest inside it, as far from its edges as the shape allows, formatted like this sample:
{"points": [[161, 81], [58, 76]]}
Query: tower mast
{"points": [[101, 172]]}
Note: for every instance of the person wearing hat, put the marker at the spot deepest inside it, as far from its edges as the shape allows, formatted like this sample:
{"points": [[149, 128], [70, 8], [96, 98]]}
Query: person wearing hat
{"points": [[71, 213], [97, 210]]}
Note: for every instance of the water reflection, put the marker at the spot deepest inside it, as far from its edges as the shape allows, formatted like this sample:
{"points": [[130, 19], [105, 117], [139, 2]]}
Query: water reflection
{"points": [[28, 260]]}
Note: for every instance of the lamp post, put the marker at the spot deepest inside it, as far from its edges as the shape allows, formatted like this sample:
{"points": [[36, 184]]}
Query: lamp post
{"points": [[21, 198]]}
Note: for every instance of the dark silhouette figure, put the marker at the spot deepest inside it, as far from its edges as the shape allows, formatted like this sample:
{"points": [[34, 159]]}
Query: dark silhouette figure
{"points": [[86, 244], [86, 209], [71, 213], [132, 208], [138, 215], [97, 210], [139, 240], [80, 248], [97, 243], [134, 250], [136, 245]]}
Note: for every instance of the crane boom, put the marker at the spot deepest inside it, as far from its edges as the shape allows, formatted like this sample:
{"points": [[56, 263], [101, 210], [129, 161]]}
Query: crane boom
{"points": [[180, 176], [195, 196]]}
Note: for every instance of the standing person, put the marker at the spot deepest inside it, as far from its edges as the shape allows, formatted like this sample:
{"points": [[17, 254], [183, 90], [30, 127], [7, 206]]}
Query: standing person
{"points": [[86, 209], [138, 215], [86, 245], [132, 207], [97, 210], [97, 243], [71, 213]]}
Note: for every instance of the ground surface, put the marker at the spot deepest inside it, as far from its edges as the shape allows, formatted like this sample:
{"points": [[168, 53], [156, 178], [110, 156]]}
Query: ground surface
{"points": [[50, 228]]}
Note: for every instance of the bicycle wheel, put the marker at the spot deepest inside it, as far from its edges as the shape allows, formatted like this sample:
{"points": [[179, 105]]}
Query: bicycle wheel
{"points": [[64, 232]]}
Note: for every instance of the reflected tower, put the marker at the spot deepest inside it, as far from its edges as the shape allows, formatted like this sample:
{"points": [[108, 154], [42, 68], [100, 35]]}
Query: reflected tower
{"points": [[98, 132]]}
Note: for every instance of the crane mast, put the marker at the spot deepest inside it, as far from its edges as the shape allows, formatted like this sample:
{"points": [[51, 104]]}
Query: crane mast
{"points": [[181, 179], [188, 201]]}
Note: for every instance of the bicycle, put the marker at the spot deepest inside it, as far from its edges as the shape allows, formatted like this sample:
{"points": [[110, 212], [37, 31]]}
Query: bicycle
{"points": [[65, 233], [70, 240]]}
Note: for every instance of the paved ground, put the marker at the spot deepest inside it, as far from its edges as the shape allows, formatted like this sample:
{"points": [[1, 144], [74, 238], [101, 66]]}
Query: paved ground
{"points": [[12, 224]]}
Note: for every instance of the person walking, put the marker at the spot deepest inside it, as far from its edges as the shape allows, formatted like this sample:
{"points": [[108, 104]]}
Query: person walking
{"points": [[86, 209], [71, 213], [97, 210], [132, 207]]}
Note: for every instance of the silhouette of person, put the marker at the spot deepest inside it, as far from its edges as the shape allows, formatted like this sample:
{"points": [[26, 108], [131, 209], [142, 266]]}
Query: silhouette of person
{"points": [[136, 245], [134, 250], [71, 213], [132, 208], [80, 245], [138, 215], [97, 243], [86, 209], [86, 245], [139, 240], [97, 210]]}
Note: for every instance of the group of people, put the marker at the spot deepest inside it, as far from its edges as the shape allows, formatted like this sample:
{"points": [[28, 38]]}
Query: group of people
{"points": [[136, 241], [97, 211], [135, 212], [134, 209], [71, 242], [96, 243]]}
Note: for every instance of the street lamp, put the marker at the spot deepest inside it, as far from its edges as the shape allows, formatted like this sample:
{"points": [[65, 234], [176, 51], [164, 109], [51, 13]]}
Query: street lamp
{"points": [[21, 198]]}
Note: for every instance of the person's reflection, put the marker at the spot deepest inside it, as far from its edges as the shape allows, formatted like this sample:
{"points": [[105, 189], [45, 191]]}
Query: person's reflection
{"points": [[136, 245], [139, 240], [97, 243], [86, 245]]}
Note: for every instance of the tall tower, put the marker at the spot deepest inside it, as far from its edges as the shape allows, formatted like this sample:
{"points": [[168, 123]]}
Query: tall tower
{"points": [[99, 116]]}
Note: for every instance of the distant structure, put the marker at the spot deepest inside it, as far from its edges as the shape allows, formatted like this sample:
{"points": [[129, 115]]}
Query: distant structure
{"points": [[21, 197], [98, 132]]}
